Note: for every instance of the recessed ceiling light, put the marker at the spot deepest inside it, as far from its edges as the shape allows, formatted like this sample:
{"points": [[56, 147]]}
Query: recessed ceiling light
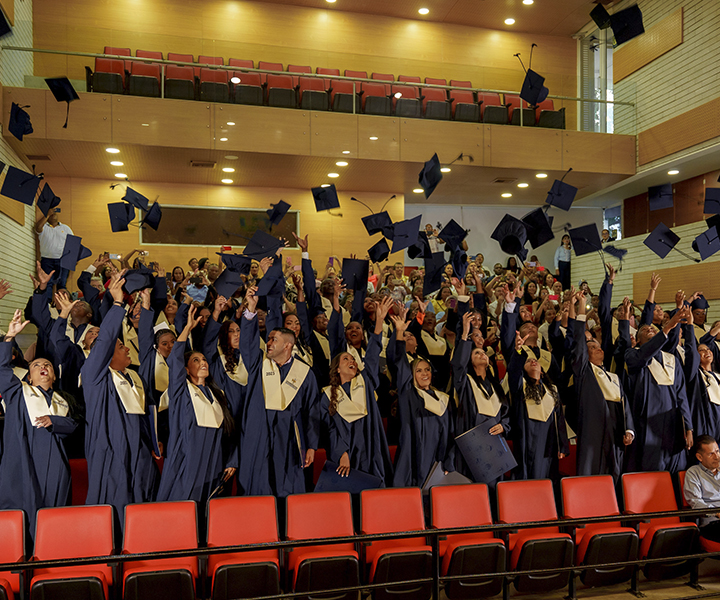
{"points": [[341, 163], [373, 137], [235, 80], [227, 180], [445, 170], [418, 191], [117, 163], [120, 175], [528, 2], [330, 1], [223, 139], [333, 175], [541, 175], [325, 185], [523, 185], [346, 151], [112, 150], [673, 172], [231, 157], [424, 11], [506, 195], [228, 170], [509, 21], [231, 122], [146, 124]]}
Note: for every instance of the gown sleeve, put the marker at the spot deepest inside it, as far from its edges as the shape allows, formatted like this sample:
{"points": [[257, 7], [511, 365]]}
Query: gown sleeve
{"points": [[99, 359]]}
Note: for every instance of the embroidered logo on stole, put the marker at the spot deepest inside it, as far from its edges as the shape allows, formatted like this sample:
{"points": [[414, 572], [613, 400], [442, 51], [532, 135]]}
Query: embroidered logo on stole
{"points": [[279, 395], [354, 407], [207, 414], [37, 406], [131, 396], [663, 373]]}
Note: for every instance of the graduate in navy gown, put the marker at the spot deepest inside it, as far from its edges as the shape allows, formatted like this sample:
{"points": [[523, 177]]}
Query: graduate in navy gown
{"points": [[350, 410], [426, 423], [703, 384], [34, 470], [478, 396], [199, 417], [118, 441], [605, 425], [280, 426]]}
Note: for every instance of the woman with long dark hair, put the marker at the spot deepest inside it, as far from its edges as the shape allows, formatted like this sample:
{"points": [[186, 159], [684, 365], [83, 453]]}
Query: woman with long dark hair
{"points": [[351, 413], [291, 321], [199, 417], [562, 262]]}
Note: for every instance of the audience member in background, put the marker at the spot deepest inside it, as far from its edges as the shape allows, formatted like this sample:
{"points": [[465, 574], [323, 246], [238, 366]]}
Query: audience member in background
{"points": [[702, 486], [563, 255], [51, 236], [512, 266]]}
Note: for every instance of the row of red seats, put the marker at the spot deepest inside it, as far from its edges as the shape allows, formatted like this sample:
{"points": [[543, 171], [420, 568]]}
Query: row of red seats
{"points": [[73, 532], [401, 98]]}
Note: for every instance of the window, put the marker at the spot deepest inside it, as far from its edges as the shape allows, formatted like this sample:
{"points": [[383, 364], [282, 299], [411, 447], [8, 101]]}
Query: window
{"points": [[612, 221], [596, 81]]}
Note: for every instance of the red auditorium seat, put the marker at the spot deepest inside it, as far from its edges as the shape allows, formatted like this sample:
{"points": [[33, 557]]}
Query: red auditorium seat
{"points": [[280, 91], [467, 553], [392, 510], [241, 63], [464, 107], [73, 532], [435, 81], [214, 86], [492, 110], [149, 54], [653, 492], [341, 95], [408, 105], [79, 480], [598, 542], [243, 520], [514, 103], [547, 116], [356, 74], [207, 60], [248, 90], [324, 71], [298, 69], [318, 464], [312, 93], [12, 549], [188, 58], [111, 50], [539, 547], [144, 80], [385, 77], [435, 104], [316, 568], [375, 100], [681, 485], [268, 66], [408, 79], [179, 82], [109, 76]]}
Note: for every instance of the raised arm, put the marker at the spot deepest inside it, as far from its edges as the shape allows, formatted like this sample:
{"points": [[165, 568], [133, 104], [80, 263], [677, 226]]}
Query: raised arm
{"points": [[250, 334], [404, 376], [9, 383], [604, 308], [647, 314]]}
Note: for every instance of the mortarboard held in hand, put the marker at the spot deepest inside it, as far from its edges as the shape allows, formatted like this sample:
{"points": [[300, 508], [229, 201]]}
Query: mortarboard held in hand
{"points": [[356, 481], [19, 124], [660, 196], [453, 235], [627, 24], [138, 279], [121, 215], [561, 194], [355, 272], [700, 303], [153, 216], [459, 262], [434, 267], [405, 233], [20, 185], [430, 175], [262, 245], [277, 212], [379, 252], [539, 227], [236, 262], [325, 198], [47, 200], [662, 239], [73, 251], [273, 281], [63, 91]]}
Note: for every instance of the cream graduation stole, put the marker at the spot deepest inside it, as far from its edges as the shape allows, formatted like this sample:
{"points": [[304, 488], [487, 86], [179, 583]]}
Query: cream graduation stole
{"points": [[354, 407], [356, 355], [699, 331], [162, 320], [435, 346], [279, 395], [681, 352], [70, 332], [438, 405], [324, 343], [162, 373], [131, 341], [19, 372], [207, 413], [37, 405], [299, 352], [131, 396], [263, 346], [545, 358], [240, 375], [486, 405], [609, 384], [712, 385], [542, 411], [663, 373]]}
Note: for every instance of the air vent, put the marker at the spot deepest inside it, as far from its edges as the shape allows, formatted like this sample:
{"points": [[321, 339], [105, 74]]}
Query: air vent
{"points": [[505, 180], [203, 164], [37, 157]]}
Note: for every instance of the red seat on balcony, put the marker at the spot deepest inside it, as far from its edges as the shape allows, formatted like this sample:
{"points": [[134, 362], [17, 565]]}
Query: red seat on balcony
{"points": [[324, 71], [179, 82], [312, 93], [342, 96], [241, 63], [109, 76], [492, 110], [144, 80], [516, 107], [464, 107], [408, 104], [409, 79], [214, 86], [375, 100], [268, 66], [298, 69], [280, 91], [248, 90], [385, 77], [435, 104]]}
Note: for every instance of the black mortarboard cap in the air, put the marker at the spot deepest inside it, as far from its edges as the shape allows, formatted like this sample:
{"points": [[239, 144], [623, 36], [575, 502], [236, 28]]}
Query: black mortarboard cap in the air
{"points": [[459, 262], [379, 252], [20, 185], [355, 273], [712, 201], [121, 215], [47, 200], [379, 222], [63, 91], [661, 240], [326, 198], [73, 251], [138, 279], [707, 243], [272, 282], [136, 199], [236, 262], [430, 175], [262, 244], [615, 251], [600, 16], [585, 239], [561, 195], [433, 272], [700, 302], [539, 228], [228, 283], [19, 124], [406, 233], [277, 212], [420, 248], [627, 24], [453, 235], [533, 91], [153, 216], [660, 196], [511, 233]]}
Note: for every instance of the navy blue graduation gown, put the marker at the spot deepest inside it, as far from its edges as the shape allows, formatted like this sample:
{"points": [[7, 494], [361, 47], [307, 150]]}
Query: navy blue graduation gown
{"points": [[70, 357], [705, 414], [194, 463], [440, 362], [364, 440], [270, 461], [425, 437], [234, 392], [118, 445], [34, 470]]}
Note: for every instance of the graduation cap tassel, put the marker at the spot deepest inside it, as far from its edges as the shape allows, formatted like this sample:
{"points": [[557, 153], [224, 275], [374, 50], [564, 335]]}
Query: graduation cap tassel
{"points": [[566, 174], [521, 62], [386, 202], [365, 205], [686, 255], [67, 116], [533, 45]]}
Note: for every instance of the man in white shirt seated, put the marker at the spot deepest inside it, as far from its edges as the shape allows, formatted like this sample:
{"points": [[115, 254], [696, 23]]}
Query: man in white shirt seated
{"points": [[51, 235], [702, 486]]}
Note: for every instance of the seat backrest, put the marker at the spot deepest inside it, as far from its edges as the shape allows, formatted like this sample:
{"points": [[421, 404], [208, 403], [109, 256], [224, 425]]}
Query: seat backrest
{"points": [[460, 506], [12, 549], [210, 60], [325, 71], [148, 54], [303, 511], [177, 72], [435, 94], [240, 62], [458, 83], [299, 69], [409, 79], [342, 86], [681, 488], [247, 78], [157, 526], [434, 81], [391, 509], [242, 520], [279, 81], [407, 91], [311, 83], [489, 99], [146, 69], [373, 89], [649, 492], [523, 501], [546, 104], [358, 74], [213, 75], [270, 66], [110, 65], [181, 57], [117, 51], [463, 96], [383, 76], [592, 496], [514, 102]]}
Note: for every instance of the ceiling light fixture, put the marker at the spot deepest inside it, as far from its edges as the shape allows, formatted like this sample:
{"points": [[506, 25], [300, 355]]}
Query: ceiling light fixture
{"points": [[528, 2], [509, 21], [424, 11], [341, 163], [541, 175], [418, 191], [445, 170], [333, 175], [112, 150], [346, 151], [325, 185], [673, 172], [121, 175], [506, 195], [231, 122], [227, 180], [523, 185], [117, 163], [373, 137], [228, 170], [330, 1], [223, 139], [231, 157]]}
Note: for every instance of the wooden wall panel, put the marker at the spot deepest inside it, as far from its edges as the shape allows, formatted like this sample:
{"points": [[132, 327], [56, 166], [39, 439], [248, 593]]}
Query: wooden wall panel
{"points": [[664, 215], [532, 148], [635, 215], [333, 133], [417, 136], [690, 199], [8, 7], [387, 130], [656, 41], [624, 154], [691, 278], [683, 131], [575, 155]]}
